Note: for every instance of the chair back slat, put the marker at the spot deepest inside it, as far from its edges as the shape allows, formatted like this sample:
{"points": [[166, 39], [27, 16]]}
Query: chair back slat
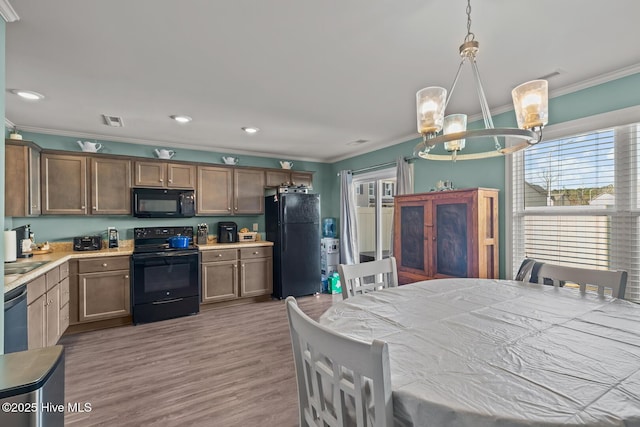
{"points": [[559, 275], [368, 276], [341, 381]]}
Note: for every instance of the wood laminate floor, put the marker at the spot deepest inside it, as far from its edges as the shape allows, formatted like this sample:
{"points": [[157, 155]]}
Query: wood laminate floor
{"points": [[224, 367]]}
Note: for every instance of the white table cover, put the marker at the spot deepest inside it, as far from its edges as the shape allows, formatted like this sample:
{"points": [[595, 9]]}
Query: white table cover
{"points": [[481, 352]]}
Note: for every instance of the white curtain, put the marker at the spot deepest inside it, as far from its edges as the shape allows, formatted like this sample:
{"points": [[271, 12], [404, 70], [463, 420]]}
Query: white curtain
{"points": [[404, 185], [349, 253]]}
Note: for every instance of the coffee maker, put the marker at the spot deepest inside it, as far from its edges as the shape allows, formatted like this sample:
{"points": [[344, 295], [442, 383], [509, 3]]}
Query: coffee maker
{"points": [[23, 241]]}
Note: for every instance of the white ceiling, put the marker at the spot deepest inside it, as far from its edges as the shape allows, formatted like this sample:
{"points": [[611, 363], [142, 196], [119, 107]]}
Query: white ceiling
{"points": [[312, 75]]}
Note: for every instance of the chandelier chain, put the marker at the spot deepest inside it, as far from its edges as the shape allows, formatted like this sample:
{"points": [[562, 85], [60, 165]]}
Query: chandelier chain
{"points": [[470, 36]]}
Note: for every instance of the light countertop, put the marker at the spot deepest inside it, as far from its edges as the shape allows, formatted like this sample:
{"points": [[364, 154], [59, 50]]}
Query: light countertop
{"points": [[60, 257], [54, 259], [237, 245]]}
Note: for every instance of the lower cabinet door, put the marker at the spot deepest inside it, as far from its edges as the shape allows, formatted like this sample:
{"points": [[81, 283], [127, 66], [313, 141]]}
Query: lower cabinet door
{"points": [[219, 281], [53, 315], [103, 295], [256, 277], [36, 322]]}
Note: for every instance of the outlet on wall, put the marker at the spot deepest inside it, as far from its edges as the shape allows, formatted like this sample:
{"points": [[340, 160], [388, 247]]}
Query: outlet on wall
{"points": [[255, 226]]}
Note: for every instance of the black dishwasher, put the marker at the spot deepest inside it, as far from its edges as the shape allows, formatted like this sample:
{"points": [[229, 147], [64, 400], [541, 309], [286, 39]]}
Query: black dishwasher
{"points": [[15, 320]]}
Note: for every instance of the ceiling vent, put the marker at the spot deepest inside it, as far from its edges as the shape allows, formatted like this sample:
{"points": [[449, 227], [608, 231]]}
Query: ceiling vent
{"points": [[358, 142], [113, 121], [551, 74]]}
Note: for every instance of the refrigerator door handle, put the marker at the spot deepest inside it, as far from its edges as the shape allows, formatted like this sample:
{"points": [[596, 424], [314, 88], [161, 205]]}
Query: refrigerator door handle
{"points": [[283, 240]]}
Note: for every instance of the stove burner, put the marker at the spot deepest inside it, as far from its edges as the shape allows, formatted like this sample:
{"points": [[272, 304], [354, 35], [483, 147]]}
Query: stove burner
{"points": [[154, 239]]}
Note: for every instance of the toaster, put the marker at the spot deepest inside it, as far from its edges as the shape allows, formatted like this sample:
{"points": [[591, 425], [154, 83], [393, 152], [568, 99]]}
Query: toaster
{"points": [[87, 243]]}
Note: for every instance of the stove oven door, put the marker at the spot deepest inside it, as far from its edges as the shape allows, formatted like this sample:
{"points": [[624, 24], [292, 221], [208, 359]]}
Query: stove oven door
{"points": [[164, 276]]}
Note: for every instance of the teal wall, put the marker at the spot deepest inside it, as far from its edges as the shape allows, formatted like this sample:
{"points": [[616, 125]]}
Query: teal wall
{"points": [[610, 96], [63, 228]]}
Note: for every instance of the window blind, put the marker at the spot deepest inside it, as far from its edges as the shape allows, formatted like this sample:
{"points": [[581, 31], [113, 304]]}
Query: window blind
{"points": [[575, 202]]}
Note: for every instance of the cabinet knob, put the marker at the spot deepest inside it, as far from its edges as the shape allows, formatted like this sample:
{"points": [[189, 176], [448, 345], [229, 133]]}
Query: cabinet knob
{"points": [[236, 208], [126, 276], [104, 265], [95, 208], [219, 254], [256, 253], [34, 206], [170, 180], [229, 208], [161, 180], [82, 207]]}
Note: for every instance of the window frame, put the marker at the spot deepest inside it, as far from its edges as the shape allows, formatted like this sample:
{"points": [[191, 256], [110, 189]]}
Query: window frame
{"points": [[612, 119]]}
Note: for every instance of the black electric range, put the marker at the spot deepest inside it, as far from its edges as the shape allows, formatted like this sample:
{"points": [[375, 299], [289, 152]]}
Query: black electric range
{"points": [[165, 281]]}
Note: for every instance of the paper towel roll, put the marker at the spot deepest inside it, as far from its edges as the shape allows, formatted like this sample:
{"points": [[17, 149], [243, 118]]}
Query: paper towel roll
{"points": [[10, 246]]}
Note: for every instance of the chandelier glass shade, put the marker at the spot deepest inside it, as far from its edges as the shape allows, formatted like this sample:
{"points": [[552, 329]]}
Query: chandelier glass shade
{"points": [[530, 102]]}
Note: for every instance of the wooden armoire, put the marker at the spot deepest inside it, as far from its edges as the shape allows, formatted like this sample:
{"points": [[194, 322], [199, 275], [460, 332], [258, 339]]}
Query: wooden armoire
{"points": [[446, 234]]}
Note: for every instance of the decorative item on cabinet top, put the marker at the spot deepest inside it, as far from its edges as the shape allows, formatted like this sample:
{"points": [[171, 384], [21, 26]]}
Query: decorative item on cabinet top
{"points": [[90, 147], [286, 164], [229, 160], [164, 153]]}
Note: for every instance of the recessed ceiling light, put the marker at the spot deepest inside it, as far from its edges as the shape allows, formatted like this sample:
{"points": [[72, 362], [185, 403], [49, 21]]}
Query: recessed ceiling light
{"points": [[181, 118], [250, 130], [28, 94]]}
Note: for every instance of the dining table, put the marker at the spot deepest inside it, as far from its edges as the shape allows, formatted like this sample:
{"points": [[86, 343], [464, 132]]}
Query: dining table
{"points": [[487, 352]]}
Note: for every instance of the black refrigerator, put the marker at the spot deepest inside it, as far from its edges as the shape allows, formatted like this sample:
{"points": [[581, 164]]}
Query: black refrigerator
{"points": [[292, 222]]}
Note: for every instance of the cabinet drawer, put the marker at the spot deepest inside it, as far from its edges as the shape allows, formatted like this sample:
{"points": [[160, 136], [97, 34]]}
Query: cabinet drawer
{"points": [[64, 270], [97, 265], [259, 252], [219, 255], [53, 277], [36, 288]]}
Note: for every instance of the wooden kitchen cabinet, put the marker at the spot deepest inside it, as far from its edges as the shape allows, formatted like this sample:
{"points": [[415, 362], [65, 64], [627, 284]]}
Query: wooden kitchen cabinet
{"points": [[22, 179], [248, 191], [101, 289], [302, 178], [446, 234], [214, 191], [256, 271], [110, 186], [48, 307], [275, 178], [164, 174], [64, 184], [219, 274], [234, 274]]}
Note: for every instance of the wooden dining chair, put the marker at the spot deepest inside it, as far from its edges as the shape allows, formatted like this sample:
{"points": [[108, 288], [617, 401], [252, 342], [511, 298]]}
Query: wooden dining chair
{"points": [[559, 275], [368, 276], [341, 381]]}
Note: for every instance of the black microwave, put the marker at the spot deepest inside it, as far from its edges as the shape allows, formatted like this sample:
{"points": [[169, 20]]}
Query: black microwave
{"points": [[163, 203]]}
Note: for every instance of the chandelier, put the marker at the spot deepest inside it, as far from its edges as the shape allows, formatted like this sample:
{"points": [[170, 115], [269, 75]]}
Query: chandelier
{"points": [[530, 102]]}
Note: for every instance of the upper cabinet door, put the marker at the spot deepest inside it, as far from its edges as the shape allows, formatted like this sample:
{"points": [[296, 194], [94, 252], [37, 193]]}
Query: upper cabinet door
{"points": [[150, 174], [34, 182], [276, 178], [64, 184], [248, 189], [22, 179], [214, 194], [110, 186], [180, 175], [302, 178]]}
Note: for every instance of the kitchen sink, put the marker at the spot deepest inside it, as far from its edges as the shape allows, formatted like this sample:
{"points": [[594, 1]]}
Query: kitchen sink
{"points": [[22, 267]]}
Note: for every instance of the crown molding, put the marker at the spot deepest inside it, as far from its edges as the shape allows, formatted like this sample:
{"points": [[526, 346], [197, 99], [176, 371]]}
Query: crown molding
{"points": [[8, 124], [8, 12], [565, 90], [139, 141]]}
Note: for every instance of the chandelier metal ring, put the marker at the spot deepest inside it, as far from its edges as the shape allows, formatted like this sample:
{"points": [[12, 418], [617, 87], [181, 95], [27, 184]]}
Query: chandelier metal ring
{"points": [[527, 136]]}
